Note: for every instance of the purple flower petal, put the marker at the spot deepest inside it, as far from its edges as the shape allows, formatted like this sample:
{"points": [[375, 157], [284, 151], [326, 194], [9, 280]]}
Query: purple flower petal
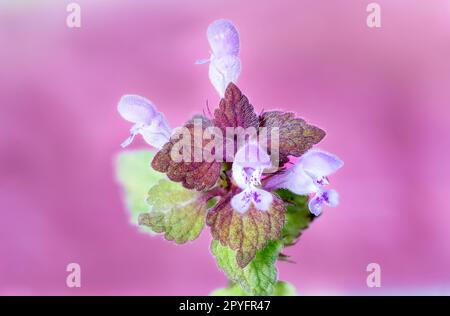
{"points": [[315, 204], [136, 109], [328, 197], [331, 197], [156, 134], [262, 199], [252, 155], [223, 38], [150, 123], [294, 179], [241, 202], [319, 163], [249, 162]]}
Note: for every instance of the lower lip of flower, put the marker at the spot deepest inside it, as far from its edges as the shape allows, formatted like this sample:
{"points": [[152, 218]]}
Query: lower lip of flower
{"points": [[256, 197]]}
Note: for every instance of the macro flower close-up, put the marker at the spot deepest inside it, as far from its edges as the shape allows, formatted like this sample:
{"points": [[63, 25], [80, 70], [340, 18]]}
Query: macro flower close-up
{"points": [[224, 148], [237, 198]]}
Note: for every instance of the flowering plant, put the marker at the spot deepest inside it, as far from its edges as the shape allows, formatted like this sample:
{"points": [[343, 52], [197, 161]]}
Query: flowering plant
{"points": [[254, 180]]}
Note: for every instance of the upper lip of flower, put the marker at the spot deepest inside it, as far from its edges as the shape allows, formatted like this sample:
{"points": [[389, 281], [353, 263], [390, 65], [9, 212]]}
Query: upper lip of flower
{"points": [[248, 164], [148, 121], [224, 62], [308, 174]]}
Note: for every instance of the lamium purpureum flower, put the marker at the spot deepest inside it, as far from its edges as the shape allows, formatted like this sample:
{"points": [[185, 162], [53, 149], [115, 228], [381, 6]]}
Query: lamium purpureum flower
{"points": [[148, 122], [238, 199], [248, 166], [224, 63], [308, 176], [242, 201]]}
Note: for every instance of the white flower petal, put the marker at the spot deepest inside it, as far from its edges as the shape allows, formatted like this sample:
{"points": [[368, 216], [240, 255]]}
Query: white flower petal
{"points": [[252, 155], [301, 183], [157, 133], [319, 163], [224, 70], [328, 197], [223, 38], [240, 176], [294, 179], [315, 205], [136, 109], [241, 202], [249, 162], [150, 123], [261, 199], [157, 140], [331, 197]]}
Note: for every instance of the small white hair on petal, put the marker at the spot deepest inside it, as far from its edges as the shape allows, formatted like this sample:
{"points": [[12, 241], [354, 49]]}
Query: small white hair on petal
{"points": [[223, 38], [136, 109]]}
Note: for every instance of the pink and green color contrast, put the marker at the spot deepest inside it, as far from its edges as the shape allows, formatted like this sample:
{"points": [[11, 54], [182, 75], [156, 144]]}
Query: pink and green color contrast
{"points": [[254, 206]]}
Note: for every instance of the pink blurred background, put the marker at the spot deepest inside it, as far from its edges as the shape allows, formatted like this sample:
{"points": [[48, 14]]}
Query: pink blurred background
{"points": [[382, 95]]}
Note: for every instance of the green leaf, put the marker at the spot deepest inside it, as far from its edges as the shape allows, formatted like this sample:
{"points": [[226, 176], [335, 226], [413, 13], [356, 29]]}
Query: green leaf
{"points": [[298, 216], [259, 276], [136, 176], [281, 288], [231, 290], [246, 233], [175, 211]]}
